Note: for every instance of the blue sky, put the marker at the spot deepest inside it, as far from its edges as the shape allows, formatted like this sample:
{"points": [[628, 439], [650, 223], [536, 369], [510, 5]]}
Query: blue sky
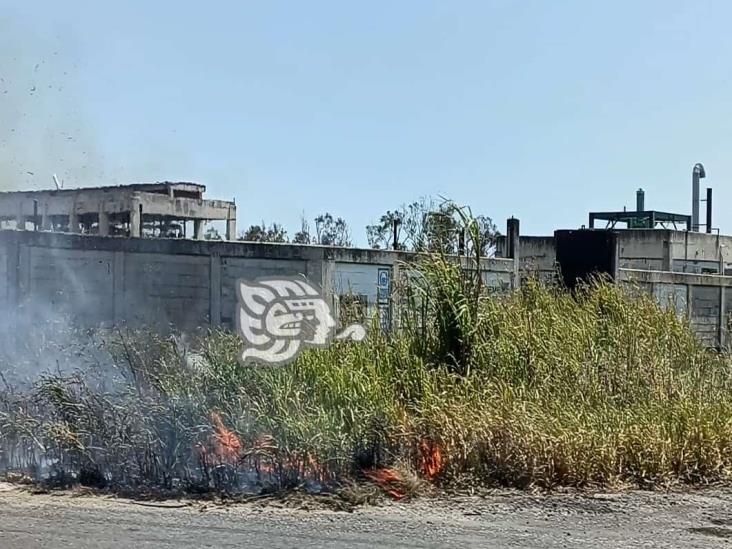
{"points": [[542, 110]]}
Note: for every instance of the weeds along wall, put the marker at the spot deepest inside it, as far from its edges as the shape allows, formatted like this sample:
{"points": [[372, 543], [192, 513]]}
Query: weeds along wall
{"points": [[704, 299], [684, 270], [183, 284]]}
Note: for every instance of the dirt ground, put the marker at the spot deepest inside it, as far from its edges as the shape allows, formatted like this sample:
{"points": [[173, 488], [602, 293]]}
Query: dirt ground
{"points": [[500, 519]]}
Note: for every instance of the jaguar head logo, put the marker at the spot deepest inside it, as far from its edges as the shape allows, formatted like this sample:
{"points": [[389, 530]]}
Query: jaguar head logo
{"points": [[277, 317]]}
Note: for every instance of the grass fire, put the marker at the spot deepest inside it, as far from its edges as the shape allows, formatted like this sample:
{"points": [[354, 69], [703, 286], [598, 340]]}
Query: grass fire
{"points": [[540, 387]]}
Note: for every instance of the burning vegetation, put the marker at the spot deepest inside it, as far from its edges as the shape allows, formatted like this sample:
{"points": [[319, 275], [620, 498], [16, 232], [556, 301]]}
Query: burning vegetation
{"points": [[540, 387]]}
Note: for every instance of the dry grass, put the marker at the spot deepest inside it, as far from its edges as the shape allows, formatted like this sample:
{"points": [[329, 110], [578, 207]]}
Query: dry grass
{"points": [[539, 387]]}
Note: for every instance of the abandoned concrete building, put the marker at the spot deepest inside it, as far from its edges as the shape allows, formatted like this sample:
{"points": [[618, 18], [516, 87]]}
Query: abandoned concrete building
{"points": [[143, 210], [688, 269], [186, 282]]}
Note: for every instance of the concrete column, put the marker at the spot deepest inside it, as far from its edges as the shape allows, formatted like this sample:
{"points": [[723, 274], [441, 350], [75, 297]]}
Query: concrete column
{"points": [[103, 223], [512, 238], [513, 249], [36, 219], [215, 290], [668, 254], [13, 270], [231, 229], [118, 292], [231, 224], [327, 275], [393, 301], [20, 219], [198, 225], [24, 273], [316, 271], [615, 259], [46, 221], [135, 221], [722, 334], [73, 222]]}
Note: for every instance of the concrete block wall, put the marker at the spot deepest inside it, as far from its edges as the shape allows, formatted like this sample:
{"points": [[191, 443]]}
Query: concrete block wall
{"points": [[537, 256], [67, 281], [705, 313], [190, 284], [705, 300], [645, 249], [673, 296], [165, 289], [235, 268], [4, 277], [726, 319], [699, 252], [185, 284]]}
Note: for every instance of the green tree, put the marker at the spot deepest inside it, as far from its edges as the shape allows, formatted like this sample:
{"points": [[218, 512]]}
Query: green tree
{"points": [[263, 233], [426, 225], [332, 231], [303, 235]]}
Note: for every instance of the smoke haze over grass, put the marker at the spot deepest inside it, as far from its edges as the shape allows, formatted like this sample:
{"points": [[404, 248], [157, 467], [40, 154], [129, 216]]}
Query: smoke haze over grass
{"points": [[552, 389]]}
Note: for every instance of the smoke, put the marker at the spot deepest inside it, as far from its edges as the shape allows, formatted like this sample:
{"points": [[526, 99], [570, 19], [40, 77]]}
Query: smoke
{"points": [[43, 126]]}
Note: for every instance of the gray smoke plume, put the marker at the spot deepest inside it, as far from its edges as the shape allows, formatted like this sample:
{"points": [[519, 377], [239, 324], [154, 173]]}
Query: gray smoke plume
{"points": [[43, 131], [43, 126]]}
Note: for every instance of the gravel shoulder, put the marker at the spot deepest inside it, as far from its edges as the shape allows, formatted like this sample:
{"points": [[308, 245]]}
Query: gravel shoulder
{"points": [[501, 519]]}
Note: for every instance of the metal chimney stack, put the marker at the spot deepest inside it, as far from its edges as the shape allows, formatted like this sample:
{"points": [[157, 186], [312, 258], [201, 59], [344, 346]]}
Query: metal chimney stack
{"points": [[640, 200], [697, 174]]}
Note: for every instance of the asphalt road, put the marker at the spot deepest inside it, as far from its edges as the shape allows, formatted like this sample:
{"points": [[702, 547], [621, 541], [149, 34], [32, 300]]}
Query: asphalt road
{"points": [[698, 519]]}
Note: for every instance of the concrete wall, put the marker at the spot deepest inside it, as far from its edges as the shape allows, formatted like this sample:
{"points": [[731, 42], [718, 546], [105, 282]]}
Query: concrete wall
{"points": [[705, 300], [701, 252], [678, 251], [674, 296], [189, 284], [537, 256], [181, 283], [4, 277], [646, 249], [643, 249], [165, 289], [705, 313], [67, 281], [234, 268]]}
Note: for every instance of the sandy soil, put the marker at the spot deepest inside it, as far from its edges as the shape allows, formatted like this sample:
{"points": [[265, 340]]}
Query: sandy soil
{"points": [[501, 519]]}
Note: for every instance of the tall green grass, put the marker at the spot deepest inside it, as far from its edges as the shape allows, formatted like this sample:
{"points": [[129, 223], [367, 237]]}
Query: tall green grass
{"points": [[595, 387], [539, 386]]}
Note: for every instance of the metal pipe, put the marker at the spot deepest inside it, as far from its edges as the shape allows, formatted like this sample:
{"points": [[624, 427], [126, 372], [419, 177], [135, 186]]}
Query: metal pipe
{"points": [[697, 174], [709, 209], [512, 238], [640, 201]]}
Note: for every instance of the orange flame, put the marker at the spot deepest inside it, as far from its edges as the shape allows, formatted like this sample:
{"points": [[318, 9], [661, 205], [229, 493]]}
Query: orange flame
{"points": [[431, 463], [227, 445], [388, 480]]}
